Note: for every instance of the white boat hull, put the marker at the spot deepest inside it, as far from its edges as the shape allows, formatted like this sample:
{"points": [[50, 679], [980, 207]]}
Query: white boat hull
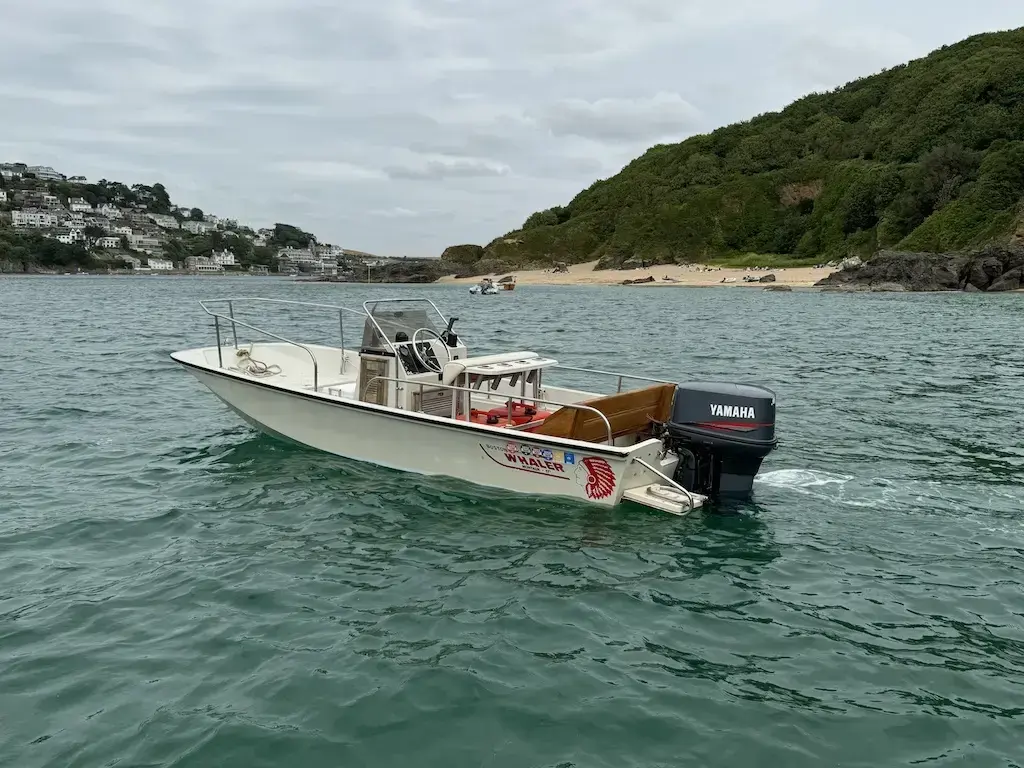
{"points": [[430, 445]]}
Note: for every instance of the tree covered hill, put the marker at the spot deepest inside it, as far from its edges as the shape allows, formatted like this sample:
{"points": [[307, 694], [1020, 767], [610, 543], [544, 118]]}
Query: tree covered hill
{"points": [[927, 156]]}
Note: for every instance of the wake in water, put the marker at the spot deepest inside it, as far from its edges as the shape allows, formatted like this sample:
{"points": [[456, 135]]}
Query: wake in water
{"points": [[883, 493]]}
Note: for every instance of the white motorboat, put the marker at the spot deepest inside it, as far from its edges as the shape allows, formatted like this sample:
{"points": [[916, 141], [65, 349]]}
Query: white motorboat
{"points": [[412, 397], [485, 287]]}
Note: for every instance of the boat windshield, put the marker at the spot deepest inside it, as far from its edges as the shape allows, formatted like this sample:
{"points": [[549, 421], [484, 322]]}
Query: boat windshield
{"points": [[391, 320]]}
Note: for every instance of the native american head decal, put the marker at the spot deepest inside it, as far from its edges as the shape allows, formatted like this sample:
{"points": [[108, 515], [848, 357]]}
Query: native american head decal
{"points": [[596, 477]]}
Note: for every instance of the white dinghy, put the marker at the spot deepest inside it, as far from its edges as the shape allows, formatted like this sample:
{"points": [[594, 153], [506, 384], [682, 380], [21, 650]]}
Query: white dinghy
{"points": [[411, 397]]}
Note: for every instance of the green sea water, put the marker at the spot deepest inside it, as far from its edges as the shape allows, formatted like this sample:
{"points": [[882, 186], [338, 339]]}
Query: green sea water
{"points": [[176, 589]]}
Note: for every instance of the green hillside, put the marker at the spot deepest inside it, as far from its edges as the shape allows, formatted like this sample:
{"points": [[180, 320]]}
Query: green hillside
{"points": [[927, 156]]}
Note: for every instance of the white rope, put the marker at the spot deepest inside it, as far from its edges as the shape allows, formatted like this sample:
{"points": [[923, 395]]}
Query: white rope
{"points": [[255, 367]]}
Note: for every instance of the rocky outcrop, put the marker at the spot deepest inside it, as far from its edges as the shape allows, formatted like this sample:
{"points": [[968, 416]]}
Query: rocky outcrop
{"points": [[767, 279], [779, 288], [409, 271], [1011, 280], [992, 268], [463, 254]]}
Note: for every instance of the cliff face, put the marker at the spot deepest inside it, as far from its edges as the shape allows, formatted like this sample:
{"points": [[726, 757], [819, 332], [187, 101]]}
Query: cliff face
{"points": [[925, 157], [993, 269]]}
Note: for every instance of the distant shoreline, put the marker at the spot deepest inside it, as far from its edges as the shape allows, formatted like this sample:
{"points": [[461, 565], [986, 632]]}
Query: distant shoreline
{"points": [[680, 275]]}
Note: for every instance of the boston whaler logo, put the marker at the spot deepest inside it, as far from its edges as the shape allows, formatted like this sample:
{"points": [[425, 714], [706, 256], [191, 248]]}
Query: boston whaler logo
{"points": [[592, 473], [732, 411], [538, 461], [596, 476]]}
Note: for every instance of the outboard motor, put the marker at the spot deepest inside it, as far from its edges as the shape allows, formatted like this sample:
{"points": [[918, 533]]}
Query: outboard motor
{"points": [[721, 433]]}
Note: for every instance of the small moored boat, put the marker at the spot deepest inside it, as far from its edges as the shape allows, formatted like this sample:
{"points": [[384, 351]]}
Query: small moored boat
{"points": [[485, 287], [412, 397]]}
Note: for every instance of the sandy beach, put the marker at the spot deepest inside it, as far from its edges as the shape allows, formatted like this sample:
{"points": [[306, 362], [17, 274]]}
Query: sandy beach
{"points": [[680, 275]]}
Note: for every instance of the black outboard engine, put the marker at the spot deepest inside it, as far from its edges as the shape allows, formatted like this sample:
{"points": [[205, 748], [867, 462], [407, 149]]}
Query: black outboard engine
{"points": [[720, 432]]}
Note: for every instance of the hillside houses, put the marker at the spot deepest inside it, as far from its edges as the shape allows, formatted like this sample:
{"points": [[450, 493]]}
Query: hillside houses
{"points": [[114, 220]]}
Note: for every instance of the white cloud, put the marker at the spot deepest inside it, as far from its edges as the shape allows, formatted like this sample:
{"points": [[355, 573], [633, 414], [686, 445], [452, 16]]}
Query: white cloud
{"points": [[664, 115], [451, 119], [329, 170], [443, 167], [394, 213]]}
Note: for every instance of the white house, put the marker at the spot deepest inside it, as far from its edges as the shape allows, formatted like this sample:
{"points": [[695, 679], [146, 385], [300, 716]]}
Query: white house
{"points": [[224, 258], [45, 173], [110, 211], [202, 264], [109, 242], [145, 243], [126, 231], [69, 236], [164, 264], [198, 227], [297, 255], [79, 205], [31, 218], [50, 201], [164, 221], [3, 195]]}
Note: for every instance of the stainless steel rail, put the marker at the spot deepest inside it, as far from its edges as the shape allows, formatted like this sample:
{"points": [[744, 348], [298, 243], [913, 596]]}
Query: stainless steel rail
{"points": [[619, 376], [230, 317], [233, 320], [508, 401]]}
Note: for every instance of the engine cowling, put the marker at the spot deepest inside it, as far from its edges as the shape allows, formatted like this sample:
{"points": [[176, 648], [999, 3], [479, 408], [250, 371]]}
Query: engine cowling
{"points": [[721, 432]]}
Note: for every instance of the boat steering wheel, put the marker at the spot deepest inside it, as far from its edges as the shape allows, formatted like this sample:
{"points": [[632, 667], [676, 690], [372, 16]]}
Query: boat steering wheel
{"points": [[431, 365]]}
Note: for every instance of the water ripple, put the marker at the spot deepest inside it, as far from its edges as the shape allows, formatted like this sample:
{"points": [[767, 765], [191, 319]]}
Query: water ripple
{"points": [[178, 590]]}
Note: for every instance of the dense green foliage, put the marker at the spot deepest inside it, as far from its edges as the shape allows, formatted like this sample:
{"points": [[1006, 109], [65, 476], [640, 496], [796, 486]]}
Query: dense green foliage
{"points": [[20, 250], [287, 236], [928, 156]]}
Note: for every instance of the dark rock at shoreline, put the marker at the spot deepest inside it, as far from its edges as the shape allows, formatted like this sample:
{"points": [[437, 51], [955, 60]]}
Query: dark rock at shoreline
{"points": [[1008, 281], [405, 271], [767, 279], [779, 288], [992, 268]]}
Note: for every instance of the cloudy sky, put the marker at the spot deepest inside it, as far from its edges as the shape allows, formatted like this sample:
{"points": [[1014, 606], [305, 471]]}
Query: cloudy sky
{"points": [[403, 126]]}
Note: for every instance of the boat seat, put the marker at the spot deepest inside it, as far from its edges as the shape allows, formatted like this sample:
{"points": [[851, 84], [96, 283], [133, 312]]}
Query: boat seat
{"points": [[628, 413]]}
